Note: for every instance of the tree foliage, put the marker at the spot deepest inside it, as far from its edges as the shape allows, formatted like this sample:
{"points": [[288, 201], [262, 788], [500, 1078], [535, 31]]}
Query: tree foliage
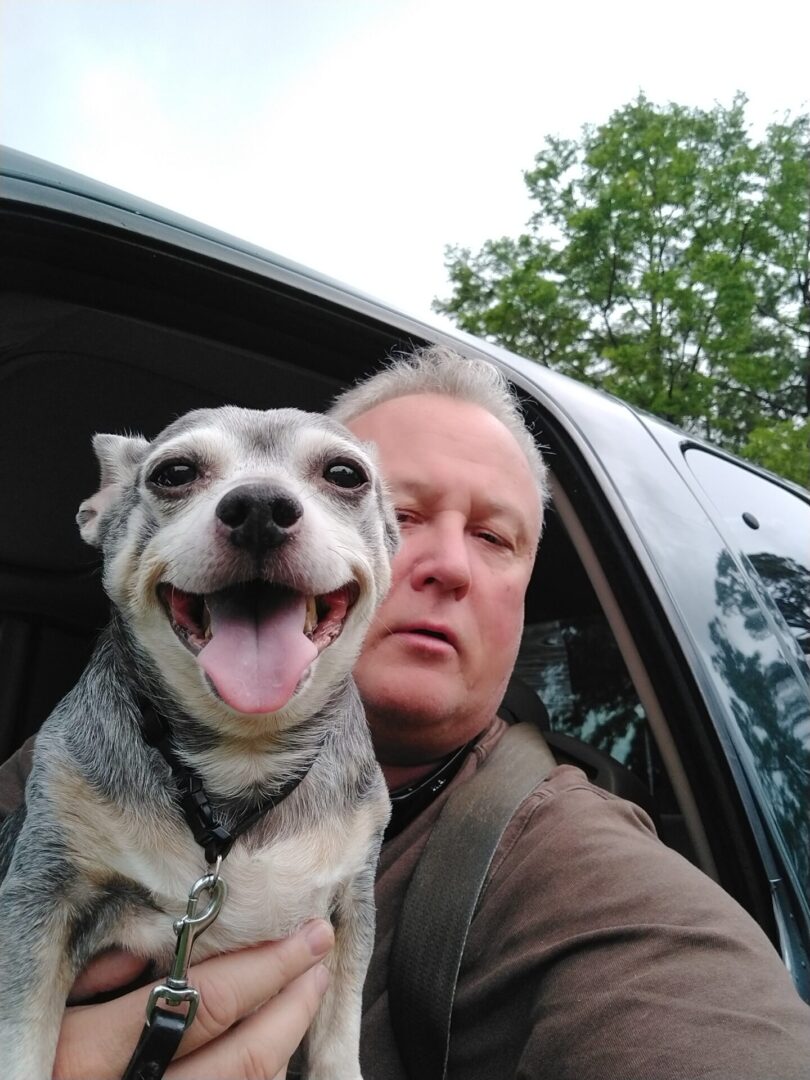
{"points": [[667, 261]]}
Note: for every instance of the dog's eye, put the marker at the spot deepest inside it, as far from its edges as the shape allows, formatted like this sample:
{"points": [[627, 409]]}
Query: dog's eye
{"points": [[173, 474], [345, 474]]}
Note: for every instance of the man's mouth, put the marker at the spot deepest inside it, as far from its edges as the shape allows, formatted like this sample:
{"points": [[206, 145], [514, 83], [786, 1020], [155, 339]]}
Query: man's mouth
{"points": [[429, 631], [255, 641]]}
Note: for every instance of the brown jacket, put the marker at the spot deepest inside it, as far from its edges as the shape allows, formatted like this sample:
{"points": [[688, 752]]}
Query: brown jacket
{"points": [[596, 953]]}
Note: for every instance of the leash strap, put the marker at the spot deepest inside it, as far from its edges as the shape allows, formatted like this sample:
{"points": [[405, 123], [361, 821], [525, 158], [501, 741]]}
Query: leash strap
{"points": [[444, 893], [156, 1047], [163, 1030]]}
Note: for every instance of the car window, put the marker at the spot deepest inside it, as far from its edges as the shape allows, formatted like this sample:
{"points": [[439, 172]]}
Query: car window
{"points": [[570, 658], [575, 667], [771, 526]]}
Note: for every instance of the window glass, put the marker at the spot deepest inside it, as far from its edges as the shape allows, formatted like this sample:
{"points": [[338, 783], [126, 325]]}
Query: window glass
{"points": [[771, 525], [766, 675], [575, 667]]}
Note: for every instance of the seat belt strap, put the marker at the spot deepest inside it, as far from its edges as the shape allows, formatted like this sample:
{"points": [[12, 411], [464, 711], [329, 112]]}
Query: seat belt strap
{"points": [[443, 894]]}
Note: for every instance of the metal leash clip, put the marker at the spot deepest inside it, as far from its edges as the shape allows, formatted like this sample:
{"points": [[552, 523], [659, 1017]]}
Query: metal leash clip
{"points": [[176, 991]]}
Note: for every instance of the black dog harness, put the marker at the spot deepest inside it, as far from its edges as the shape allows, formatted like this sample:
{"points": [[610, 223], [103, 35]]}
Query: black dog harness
{"points": [[192, 798], [164, 1029]]}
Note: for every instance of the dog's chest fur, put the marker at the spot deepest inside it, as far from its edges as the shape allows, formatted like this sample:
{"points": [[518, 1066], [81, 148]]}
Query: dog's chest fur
{"points": [[272, 889], [291, 866]]}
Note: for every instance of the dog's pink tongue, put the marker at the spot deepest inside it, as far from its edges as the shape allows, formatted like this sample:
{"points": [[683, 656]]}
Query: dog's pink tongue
{"points": [[258, 652]]}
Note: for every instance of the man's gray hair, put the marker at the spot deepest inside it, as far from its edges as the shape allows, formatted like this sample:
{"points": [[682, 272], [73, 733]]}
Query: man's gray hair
{"points": [[436, 369]]}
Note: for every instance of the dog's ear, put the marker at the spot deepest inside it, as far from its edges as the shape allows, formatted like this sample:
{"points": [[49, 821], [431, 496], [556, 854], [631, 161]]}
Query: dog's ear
{"points": [[119, 457]]}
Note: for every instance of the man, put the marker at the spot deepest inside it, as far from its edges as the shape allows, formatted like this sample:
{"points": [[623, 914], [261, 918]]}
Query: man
{"points": [[595, 951]]}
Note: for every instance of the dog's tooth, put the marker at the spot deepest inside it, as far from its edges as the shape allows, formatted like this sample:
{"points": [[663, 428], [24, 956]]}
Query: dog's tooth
{"points": [[311, 620]]}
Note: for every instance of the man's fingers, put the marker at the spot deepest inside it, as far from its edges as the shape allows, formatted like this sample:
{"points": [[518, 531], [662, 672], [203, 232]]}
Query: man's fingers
{"points": [[98, 1040], [262, 1045], [230, 992]]}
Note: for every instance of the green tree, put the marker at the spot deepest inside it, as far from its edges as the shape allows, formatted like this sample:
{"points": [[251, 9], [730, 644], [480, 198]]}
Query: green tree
{"points": [[667, 261]]}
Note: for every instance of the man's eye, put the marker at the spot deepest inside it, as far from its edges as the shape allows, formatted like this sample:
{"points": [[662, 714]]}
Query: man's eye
{"points": [[492, 538], [173, 474], [345, 474], [405, 517]]}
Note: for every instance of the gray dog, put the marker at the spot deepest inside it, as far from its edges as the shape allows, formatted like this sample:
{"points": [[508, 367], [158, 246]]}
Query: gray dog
{"points": [[245, 554]]}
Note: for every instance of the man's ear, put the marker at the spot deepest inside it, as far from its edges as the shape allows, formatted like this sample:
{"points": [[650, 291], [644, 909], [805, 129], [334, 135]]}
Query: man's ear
{"points": [[119, 457]]}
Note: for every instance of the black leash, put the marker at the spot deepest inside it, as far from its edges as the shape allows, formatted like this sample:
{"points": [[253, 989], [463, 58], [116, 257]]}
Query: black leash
{"points": [[164, 1029], [156, 1046]]}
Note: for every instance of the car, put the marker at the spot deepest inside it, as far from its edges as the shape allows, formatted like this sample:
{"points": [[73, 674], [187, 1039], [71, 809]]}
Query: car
{"points": [[668, 618]]}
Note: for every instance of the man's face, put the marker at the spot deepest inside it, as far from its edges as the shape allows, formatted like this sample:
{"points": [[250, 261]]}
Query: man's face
{"points": [[441, 648]]}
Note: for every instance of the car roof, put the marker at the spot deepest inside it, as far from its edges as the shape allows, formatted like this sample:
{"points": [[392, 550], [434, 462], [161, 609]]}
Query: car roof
{"points": [[36, 182]]}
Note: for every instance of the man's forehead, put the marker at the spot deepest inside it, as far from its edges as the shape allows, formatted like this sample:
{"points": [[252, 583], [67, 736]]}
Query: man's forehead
{"points": [[415, 433], [437, 418], [423, 437]]}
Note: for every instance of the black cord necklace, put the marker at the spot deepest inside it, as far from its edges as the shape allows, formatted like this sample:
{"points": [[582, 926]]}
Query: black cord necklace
{"points": [[408, 801]]}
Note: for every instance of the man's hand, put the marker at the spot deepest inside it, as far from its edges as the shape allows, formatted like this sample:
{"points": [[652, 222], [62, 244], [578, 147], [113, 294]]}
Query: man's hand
{"points": [[273, 989]]}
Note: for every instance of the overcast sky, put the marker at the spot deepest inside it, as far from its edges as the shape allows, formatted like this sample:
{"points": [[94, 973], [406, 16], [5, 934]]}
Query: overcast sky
{"points": [[361, 136]]}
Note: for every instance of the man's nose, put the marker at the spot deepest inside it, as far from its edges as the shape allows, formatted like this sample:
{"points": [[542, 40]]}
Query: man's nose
{"points": [[444, 560]]}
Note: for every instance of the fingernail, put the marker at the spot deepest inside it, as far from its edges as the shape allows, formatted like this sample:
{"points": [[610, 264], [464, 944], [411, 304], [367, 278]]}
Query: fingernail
{"points": [[321, 977], [319, 937]]}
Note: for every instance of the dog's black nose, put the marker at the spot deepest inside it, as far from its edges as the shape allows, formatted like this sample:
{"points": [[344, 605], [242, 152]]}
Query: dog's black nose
{"points": [[259, 517]]}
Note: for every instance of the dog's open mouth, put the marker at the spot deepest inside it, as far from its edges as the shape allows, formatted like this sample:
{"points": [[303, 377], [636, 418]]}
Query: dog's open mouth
{"points": [[255, 641]]}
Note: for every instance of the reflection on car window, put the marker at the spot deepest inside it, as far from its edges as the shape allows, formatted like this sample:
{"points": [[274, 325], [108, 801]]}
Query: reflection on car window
{"points": [[770, 706], [788, 583], [771, 526], [575, 667], [762, 586]]}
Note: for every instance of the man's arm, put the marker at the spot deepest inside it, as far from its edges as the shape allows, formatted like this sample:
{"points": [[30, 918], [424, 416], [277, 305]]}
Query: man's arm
{"points": [[600, 952]]}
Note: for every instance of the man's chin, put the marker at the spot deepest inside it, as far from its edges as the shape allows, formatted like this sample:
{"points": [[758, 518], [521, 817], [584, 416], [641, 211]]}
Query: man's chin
{"points": [[422, 694], [424, 729]]}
